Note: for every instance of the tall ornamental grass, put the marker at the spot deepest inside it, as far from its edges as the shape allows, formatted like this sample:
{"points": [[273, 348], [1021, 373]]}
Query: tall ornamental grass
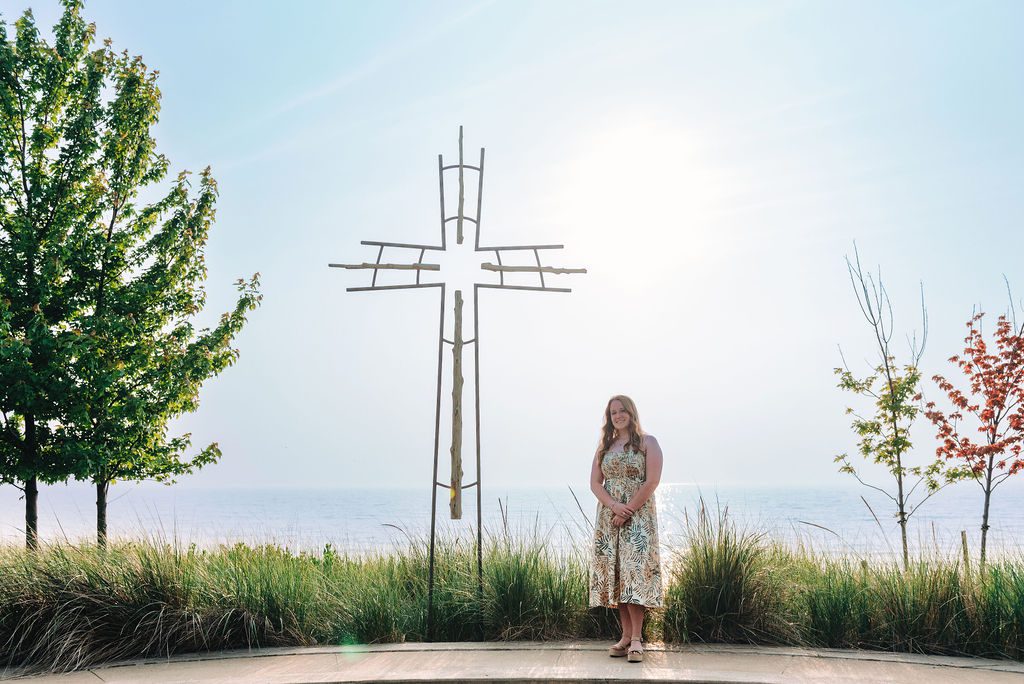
{"points": [[727, 585], [70, 606]]}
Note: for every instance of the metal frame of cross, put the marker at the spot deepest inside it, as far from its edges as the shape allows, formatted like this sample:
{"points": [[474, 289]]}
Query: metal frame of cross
{"points": [[455, 485]]}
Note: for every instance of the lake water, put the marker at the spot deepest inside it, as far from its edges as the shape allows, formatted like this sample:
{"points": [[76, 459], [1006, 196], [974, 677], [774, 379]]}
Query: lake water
{"points": [[367, 520]]}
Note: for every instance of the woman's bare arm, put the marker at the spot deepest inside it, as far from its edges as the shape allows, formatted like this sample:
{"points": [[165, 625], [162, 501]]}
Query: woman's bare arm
{"points": [[654, 463], [597, 481]]}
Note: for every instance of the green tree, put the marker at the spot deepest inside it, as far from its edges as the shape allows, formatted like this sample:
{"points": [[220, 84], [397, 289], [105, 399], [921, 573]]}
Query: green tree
{"points": [[144, 364], [134, 361], [49, 112], [884, 436]]}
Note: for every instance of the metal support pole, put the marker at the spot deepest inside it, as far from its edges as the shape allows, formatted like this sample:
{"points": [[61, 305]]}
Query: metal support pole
{"points": [[462, 190], [433, 488], [479, 476]]}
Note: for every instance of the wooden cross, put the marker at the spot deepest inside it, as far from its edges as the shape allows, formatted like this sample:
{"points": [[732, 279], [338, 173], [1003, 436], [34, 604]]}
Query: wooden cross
{"points": [[457, 342]]}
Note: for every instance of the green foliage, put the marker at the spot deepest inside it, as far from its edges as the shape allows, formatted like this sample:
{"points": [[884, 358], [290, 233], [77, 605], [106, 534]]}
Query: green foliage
{"points": [[725, 586], [531, 594], [50, 108], [67, 607], [97, 352], [996, 610], [884, 436], [920, 609], [834, 599]]}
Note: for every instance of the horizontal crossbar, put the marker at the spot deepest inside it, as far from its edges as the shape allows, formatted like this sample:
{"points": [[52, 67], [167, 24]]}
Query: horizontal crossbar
{"points": [[530, 269], [393, 287], [394, 267], [406, 245], [492, 249], [523, 287]]}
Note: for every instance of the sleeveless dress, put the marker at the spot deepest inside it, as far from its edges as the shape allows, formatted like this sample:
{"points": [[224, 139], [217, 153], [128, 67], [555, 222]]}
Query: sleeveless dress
{"points": [[626, 564]]}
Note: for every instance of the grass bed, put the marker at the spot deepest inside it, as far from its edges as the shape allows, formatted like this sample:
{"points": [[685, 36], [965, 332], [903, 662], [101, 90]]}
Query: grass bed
{"points": [[68, 606]]}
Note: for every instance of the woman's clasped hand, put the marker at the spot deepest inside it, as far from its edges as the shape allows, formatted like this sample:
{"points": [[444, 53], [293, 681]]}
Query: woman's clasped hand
{"points": [[622, 514]]}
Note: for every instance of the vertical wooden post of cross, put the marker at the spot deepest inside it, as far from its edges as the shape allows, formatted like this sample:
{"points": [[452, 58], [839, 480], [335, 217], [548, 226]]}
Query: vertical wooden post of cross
{"points": [[455, 492]]}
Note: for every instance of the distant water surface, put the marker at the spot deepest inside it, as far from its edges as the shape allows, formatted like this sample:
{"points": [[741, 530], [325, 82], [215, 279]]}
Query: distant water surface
{"points": [[833, 519]]}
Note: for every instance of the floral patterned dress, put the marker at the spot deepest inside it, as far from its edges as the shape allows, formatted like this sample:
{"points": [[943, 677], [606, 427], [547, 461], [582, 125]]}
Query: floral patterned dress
{"points": [[626, 565]]}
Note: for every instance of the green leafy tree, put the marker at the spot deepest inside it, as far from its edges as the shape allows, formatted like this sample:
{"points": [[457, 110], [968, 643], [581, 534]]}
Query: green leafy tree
{"points": [[134, 361], [884, 435], [49, 196], [144, 364]]}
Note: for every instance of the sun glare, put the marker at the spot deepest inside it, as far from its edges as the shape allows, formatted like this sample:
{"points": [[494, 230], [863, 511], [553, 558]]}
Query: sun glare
{"points": [[644, 179]]}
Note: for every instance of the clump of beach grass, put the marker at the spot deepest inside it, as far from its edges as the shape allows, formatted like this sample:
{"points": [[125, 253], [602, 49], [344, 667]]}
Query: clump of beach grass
{"points": [[832, 600], [996, 610], [919, 609], [727, 584], [69, 606], [531, 593], [935, 605]]}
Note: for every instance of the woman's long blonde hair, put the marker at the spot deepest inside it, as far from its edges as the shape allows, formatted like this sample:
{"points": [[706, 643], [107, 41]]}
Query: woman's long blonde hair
{"points": [[636, 433]]}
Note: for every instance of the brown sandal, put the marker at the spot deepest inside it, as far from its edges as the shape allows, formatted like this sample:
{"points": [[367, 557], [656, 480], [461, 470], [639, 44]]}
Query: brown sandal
{"points": [[635, 655], [616, 651]]}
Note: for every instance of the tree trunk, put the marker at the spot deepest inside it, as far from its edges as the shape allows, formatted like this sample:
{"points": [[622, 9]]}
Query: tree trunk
{"points": [[984, 515], [903, 534], [31, 487], [31, 514], [902, 507], [101, 514], [102, 483]]}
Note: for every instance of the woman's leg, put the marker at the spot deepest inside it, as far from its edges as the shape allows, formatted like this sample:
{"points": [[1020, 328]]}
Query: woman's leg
{"points": [[636, 621], [627, 625]]}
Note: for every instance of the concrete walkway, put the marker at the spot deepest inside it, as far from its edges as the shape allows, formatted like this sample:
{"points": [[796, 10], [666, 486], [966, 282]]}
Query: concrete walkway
{"points": [[579, 661]]}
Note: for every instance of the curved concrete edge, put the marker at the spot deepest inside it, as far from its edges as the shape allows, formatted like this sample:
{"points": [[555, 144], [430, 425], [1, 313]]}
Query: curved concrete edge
{"points": [[576, 661]]}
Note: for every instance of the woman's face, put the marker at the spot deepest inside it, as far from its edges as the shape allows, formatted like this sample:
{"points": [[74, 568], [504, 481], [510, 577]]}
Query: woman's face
{"points": [[620, 418]]}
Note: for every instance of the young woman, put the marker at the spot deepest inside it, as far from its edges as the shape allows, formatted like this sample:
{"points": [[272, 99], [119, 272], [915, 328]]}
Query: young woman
{"points": [[626, 569]]}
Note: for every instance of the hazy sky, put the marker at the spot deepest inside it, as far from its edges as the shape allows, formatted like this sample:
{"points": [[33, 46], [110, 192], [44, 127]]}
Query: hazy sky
{"points": [[710, 164]]}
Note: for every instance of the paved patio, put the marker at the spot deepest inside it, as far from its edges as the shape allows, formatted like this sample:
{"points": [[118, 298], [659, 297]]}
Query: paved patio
{"points": [[577, 661]]}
